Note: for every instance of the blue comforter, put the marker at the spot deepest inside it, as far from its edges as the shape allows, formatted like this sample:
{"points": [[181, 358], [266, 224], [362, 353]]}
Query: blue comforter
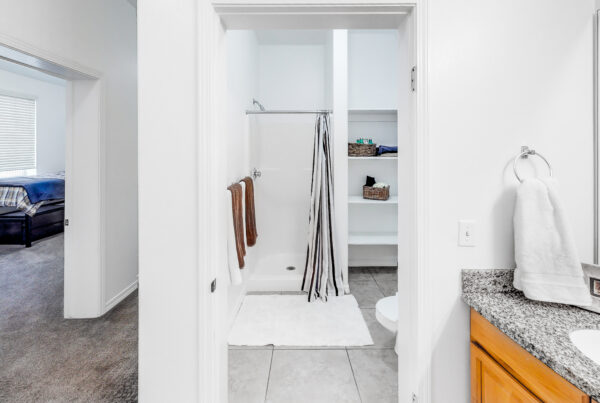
{"points": [[38, 188]]}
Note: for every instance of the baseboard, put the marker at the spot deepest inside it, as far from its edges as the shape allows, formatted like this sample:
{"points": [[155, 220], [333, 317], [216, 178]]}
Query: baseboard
{"points": [[372, 261], [114, 301]]}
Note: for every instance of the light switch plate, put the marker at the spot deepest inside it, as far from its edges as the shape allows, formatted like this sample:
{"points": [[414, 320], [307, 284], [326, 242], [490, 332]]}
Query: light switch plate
{"points": [[466, 233]]}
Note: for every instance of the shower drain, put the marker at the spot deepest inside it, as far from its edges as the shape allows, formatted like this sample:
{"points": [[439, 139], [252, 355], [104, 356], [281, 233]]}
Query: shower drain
{"points": [[290, 268]]}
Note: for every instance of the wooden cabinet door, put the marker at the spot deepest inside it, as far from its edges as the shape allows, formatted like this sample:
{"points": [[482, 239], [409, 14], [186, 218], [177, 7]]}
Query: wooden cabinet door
{"points": [[530, 372], [490, 383]]}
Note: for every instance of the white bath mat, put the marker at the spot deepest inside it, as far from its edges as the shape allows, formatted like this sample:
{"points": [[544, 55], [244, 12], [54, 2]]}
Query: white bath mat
{"points": [[290, 320]]}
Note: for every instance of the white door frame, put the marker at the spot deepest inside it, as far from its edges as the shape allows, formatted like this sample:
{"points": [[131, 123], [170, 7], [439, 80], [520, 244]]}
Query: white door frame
{"points": [[212, 385], [84, 166], [596, 134]]}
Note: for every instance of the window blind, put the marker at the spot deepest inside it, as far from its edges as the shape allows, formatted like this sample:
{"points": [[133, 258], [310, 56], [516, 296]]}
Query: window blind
{"points": [[17, 135]]}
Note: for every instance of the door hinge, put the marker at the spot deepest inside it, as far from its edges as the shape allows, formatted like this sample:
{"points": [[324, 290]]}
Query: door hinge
{"points": [[414, 398], [213, 285], [66, 222], [413, 79]]}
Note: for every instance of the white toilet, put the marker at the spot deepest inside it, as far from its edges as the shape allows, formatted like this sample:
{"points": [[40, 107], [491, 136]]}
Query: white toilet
{"points": [[386, 312]]}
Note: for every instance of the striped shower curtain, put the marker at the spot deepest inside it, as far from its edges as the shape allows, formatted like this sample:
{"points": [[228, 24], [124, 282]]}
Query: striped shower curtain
{"points": [[322, 275]]}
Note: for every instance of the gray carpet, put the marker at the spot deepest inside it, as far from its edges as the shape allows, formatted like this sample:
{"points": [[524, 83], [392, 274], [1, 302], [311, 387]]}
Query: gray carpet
{"points": [[45, 358]]}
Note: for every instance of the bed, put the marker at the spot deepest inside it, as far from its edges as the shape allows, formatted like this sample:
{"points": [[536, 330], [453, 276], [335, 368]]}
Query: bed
{"points": [[31, 208]]}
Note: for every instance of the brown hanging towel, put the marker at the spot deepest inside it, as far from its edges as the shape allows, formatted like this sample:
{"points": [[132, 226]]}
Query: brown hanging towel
{"points": [[251, 234], [238, 224]]}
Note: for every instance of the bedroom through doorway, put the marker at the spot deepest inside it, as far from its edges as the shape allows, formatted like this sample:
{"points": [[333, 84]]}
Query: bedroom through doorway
{"points": [[55, 185], [68, 189], [32, 157]]}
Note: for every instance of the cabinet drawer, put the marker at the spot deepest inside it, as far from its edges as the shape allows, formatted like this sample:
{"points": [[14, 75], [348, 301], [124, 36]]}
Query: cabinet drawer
{"points": [[543, 382], [490, 383]]}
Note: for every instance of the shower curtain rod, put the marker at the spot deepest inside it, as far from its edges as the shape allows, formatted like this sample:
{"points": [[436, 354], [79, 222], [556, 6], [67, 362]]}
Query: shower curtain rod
{"points": [[283, 112]]}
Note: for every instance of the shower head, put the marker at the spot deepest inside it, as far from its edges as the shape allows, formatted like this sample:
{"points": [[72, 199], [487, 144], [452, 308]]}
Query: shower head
{"points": [[260, 106]]}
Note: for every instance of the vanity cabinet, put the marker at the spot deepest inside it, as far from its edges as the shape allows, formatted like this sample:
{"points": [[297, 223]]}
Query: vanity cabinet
{"points": [[503, 371], [491, 383]]}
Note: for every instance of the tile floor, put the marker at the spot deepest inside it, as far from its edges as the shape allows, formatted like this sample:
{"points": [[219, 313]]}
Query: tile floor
{"points": [[325, 375]]}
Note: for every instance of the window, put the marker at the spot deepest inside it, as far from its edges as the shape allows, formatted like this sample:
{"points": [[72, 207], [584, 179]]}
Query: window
{"points": [[17, 136]]}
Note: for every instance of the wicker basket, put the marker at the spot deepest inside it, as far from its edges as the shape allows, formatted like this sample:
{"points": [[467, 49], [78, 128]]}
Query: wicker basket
{"points": [[372, 193], [361, 150]]}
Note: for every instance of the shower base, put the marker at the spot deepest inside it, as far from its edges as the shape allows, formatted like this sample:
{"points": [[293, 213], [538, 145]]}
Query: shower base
{"points": [[273, 273]]}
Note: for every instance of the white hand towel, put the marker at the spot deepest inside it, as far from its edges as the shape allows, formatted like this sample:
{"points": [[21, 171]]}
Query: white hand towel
{"points": [[235, 274], [548, 266]]}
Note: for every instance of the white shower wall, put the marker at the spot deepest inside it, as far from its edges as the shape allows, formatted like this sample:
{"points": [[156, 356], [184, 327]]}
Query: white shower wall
{"points": [[294, 72], [282, 150], [242, 86]]}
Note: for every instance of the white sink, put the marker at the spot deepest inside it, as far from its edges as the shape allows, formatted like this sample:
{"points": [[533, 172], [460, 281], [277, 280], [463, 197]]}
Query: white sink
{"points": [[588, 342]]}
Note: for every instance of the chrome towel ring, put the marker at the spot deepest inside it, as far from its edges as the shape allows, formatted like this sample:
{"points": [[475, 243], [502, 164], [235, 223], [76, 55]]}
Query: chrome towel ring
{"points": [[526, 152]]}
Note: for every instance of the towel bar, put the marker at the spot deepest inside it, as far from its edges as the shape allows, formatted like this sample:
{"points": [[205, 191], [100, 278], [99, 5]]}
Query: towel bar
{"points": [[526, 152]]}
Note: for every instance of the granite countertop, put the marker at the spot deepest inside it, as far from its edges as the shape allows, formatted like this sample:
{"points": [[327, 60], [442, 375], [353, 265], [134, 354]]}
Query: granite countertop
{"points": [[540, 328]]}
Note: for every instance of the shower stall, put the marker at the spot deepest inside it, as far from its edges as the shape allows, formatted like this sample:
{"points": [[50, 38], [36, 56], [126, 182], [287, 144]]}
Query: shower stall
{"points": [[298, 73], [281, 151], [286, 71]]}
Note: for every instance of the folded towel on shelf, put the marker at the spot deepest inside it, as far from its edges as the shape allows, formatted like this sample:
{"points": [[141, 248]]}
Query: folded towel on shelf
{"points": [[386, 149], [237, 208], [250, 212], [548, 266]]}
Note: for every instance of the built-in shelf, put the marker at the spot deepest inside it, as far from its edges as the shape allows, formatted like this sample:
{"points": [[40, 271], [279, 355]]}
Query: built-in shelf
{"points": [[374, 158], [372, 111], [373, 238], [360, 200], [361, 116]]}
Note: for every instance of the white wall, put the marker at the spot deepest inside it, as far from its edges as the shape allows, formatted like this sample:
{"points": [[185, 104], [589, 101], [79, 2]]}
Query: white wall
{"points": [[169, 260], [373, 69], [292, 76], [340, 145], [502, 74], [182, 248], [242, 87], [51, 99], [100, 35]]}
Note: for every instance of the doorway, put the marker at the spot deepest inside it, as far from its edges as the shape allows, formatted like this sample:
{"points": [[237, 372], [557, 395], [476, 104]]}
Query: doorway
{"points": [[83, 174], [412, 301]]}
